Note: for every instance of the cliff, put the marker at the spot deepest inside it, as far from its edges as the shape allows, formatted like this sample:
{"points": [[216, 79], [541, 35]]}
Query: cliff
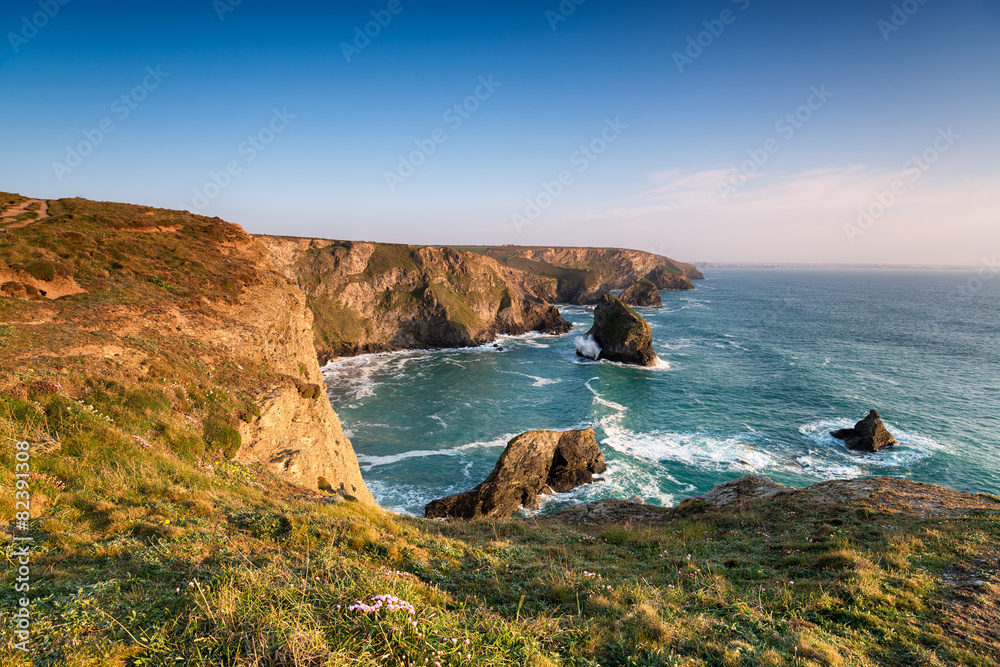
{"points": [[583, 275], [175, 326], [374, 297]]}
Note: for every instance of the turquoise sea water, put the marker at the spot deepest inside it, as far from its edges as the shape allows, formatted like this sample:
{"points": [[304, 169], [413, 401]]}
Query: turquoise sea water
{"points": [[759, 366]]}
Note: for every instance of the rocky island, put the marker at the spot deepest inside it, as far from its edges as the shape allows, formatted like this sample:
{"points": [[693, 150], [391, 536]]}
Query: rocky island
{"points": [[533, 464], [642, 293], [868, 435], [619, 334]]}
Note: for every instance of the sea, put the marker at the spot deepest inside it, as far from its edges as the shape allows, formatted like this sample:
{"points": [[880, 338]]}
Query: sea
{"points": [[756, 367]]}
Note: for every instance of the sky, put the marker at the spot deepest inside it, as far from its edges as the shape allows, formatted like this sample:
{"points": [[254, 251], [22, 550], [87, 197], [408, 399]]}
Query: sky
{"points": [[719, 131]]}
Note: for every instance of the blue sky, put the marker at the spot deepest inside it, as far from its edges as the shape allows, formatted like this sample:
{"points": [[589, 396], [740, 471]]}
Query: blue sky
{"points": [[667, 122]]}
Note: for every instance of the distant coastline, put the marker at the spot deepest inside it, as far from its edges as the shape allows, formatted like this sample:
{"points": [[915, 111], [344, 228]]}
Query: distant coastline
{"points": [[794, 265]]}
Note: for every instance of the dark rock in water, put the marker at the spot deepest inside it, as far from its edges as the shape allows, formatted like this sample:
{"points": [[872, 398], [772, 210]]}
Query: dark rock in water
{"points": [[643, 293], [533, 464], [868, 435], [663, 278], [620, 334]]}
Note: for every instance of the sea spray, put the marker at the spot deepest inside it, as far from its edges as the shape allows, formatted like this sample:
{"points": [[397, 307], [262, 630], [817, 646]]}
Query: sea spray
{"points": [[586, 346]]}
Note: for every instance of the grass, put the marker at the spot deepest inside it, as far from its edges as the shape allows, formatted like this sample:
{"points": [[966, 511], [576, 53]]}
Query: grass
{"points": [[147, 557]]}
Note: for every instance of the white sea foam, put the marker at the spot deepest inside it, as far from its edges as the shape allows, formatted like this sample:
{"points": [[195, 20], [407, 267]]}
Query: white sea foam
{"points": [[695, 449], [622, 479], [371, 460], [600, 400], [588, 347], [538, 381]]}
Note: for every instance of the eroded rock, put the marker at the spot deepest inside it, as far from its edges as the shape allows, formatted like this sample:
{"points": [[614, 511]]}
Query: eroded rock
{"points": [[620, 334], [868, 435], [533, 464], [642, 293]]}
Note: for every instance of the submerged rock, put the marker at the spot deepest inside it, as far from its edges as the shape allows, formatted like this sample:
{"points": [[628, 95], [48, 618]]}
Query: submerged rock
{"points": [[642, 293], [620, 334], [868, 435], [533, 464]]}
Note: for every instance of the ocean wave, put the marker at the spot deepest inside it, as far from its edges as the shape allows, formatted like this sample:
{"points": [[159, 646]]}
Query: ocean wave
{"points": [[694, 449], [538, 381], [587, 347], [372, 461], [623, 479], [600, 400]]}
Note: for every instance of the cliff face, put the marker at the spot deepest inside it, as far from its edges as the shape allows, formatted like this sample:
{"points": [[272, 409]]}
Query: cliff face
{"points": [[183, 317], [583, 275], [373, 297]]}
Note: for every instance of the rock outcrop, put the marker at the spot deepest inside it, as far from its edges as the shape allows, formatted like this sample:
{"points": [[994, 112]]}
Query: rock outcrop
{"points": [[376, 297], [868, 435], [642, 293], [533, 464], [620, 333], [669, 277]]}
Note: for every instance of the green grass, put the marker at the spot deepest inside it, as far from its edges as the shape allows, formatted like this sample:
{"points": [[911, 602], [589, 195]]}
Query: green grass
{"points": [[150, 557]]}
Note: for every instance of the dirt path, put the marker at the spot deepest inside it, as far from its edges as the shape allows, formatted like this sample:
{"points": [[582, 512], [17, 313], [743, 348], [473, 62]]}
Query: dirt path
{"points": [[11, 214]]}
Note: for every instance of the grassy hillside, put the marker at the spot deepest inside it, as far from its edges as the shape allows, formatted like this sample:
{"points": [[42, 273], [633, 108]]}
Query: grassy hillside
{"points": [[146, 559], [124, 324]]}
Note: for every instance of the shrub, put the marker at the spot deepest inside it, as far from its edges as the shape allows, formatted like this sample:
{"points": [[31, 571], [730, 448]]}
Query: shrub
{"points": [[220, 433], [40, 270]]}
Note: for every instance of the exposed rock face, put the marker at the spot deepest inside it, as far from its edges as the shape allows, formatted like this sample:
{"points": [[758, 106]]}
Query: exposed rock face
{"points": [[621, 334], [177, 306], [666, 277], [868, 435], [533, 464], [583, 275], [736, 492], [373, 297], [880, 494], [643, 293]]}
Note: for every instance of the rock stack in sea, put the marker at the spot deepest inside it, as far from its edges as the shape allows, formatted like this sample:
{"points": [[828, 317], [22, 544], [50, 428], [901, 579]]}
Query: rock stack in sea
{"points": [[868, 435], [619, 334], [642, 293], [535, 463]]}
